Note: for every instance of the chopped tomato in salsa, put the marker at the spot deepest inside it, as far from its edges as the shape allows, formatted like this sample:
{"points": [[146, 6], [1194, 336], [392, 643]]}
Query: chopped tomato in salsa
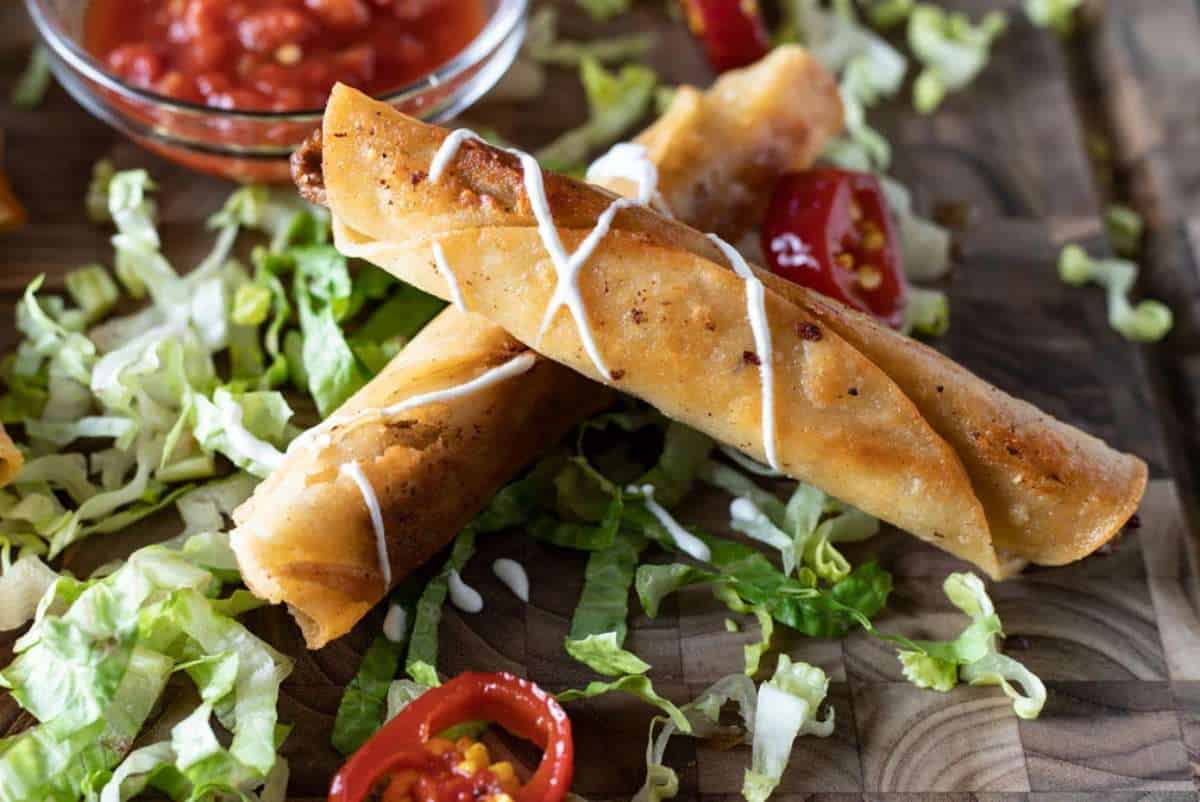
{"points": [[276, 55]]}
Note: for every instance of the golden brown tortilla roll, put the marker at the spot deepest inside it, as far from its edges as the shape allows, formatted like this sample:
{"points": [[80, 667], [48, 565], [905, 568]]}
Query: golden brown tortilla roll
{"points": [[668, 317], [10, 458], [306, 537], [321, 557]]}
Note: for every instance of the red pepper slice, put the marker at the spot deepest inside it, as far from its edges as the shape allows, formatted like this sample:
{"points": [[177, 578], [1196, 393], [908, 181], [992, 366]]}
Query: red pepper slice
{"points": [[518, 705], [733, 31], [830, 230]]}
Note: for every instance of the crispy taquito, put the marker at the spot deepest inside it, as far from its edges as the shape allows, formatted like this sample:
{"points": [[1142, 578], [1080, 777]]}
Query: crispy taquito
{"points": [[307, 537], [11, 460], [660, 311]]}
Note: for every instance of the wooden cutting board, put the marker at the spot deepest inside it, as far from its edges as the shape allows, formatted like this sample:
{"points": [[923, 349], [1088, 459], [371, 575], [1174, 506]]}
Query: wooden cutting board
{"points": [[1116, 638]]}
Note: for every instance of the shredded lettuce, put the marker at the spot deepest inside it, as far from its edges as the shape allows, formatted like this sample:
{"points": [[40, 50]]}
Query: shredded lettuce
{"points": [[22, 585], [1058, 15], [704, 717], [364, 702], [635, 685], [598, 627], [787, 707], [927, 312], [543, 46], [93, 291], [889, 13], [951, 49], [796, 529], [248, 428], [1125, 228], [1149, 321], [96, 662], [30, 89], [605, 10], [974, 655], [323, 292], [616, 102], [427, 618]]}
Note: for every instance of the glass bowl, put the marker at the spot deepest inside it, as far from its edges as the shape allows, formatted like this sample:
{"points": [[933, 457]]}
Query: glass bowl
{"points": [[255, 145]]}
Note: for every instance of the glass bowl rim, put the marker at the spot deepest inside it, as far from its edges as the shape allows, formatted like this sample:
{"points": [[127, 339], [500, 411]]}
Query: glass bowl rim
{"points": [[500, 25]]}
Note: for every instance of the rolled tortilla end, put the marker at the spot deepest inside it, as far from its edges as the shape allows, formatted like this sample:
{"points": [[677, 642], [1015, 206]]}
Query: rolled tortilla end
{"points": [[307, 536]]}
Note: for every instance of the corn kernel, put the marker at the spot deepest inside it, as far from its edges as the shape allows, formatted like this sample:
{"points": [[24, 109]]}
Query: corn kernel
{"points": [[463, 743], [477, 755], [845, 260], [498, 798], [506, 776]]}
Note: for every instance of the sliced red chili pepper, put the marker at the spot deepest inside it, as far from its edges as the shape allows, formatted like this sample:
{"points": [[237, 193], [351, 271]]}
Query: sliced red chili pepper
{"points": [[733, 31], [515, 704], [831, 230]]}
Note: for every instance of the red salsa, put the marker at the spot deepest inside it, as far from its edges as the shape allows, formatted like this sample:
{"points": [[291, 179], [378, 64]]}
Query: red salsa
{"points": [[276, 55]]}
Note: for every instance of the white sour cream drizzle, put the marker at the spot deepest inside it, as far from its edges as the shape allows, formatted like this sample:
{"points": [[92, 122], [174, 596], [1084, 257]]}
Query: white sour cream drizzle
{"points": [[462, 595], [685, 540], [456, 296], [355, 472], [756, 311], [566, 265], [629, 161], [318, 437], [747, 464], [395, 624], [513, 575], [518, 365], [243, 440]]}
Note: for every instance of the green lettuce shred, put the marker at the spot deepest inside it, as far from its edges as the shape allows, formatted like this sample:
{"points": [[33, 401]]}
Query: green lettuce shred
{"points": [[1149, 321], [927, 312], [637, 686], [616, 102], [598, 627], [974, 655], [30, 89], [605, 10], [787, 707], [1125, 228], [1057, 15], [952, 50], [94, 665]]}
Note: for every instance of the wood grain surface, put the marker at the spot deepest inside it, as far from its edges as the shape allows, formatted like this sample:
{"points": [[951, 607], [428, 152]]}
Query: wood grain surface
{"points": [[1116, 638]]}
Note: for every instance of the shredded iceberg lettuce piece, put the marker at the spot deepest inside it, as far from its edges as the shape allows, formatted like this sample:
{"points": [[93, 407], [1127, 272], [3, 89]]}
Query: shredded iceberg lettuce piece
{"points": [[367, 697], [22, 586], [93, 291], [605, 10], [30, 89], [598, 626], [927, 312], [974, 656], [952, 49], [1149, 321], [634, 685], [1125, 228], [1058, 15], [616, 101], [787, 707], [95, 663]]}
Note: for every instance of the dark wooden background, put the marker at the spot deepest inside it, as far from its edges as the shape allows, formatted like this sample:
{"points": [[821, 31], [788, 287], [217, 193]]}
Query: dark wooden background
{"points": [[1049, 134]]}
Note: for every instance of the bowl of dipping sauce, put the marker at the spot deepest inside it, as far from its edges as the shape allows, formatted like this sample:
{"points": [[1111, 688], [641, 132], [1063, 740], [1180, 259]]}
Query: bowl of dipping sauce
{"points": [[232, 87]]}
